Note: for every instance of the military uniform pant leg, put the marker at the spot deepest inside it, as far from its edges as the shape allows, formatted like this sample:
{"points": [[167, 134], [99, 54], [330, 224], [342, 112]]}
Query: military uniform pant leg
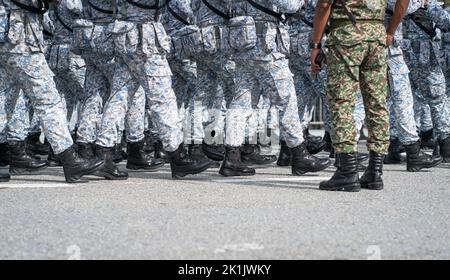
{"points": [[159, 93], [135, 117], [240, 108], [351, 69], [97, 89], [431, 89], [403, 124], [36, 80], [115, 109], [278, 82], [19, 120]]}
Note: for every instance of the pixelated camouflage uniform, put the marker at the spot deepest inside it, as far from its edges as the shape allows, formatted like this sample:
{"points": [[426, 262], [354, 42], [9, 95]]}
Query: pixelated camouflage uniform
{"points": [[14, 110], [446, 52], [69, 68], [401, 101], [184, 69], [22, 57], [357, 61], [423, 57], [141, 45], [215, 68], [309, 87], [100, 66], [263, 69]]}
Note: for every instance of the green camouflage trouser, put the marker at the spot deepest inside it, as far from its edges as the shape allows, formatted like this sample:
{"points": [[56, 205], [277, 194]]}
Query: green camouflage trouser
{"points": [[350, 69]]}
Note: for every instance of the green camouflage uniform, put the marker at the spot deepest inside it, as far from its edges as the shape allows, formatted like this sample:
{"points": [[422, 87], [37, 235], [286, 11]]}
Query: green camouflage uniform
{"points": [[356, 61]]}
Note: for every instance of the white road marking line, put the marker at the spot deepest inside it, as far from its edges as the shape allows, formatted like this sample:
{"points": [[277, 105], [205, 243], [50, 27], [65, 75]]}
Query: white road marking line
{"points": [[291, 179], [43, 185]]}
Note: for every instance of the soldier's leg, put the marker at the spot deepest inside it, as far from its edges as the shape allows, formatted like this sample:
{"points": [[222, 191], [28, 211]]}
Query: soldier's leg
{"points": [[37, 82], [96, 91], [374, 89], [164, 114], [116, 106], [138, 157], [342, 90], [278, 84], [19, 120], [135, 117], [436, 98]]}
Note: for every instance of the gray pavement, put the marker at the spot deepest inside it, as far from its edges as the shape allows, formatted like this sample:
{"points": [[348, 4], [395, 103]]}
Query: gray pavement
{"points": [[270, 216]]}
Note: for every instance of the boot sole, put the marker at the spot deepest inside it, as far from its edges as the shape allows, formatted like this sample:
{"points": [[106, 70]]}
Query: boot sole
{"points": [[19, 171], [346, 188], [303, 172], [417, 169], [4, 181], [77, 178], [215, 158], [147, 168], [108, 176], [373, 186], [226, 173], [200, 170]]}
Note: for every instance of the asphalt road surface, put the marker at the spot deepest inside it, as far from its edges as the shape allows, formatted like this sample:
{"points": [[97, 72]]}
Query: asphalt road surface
{"points": [[270, 216]]}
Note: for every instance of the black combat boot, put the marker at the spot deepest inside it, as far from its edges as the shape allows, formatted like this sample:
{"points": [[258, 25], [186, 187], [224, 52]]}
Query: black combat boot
{"points": [[372, 178], [214, 152], [303, 162], [75, 166], [233, 166], [393, 156], [21, 161], [284, 159], [346, 176], [182, 165], [160, 152], [53, 160], [251, 155], [195, 151], [328, 143], [139, 159], [4, 154], [34, 145], [426, 139], [108, 169], [86, 150], [118, 154], [4, 177], [149, 142], [417, 160], [314, 144], [444, 146]]}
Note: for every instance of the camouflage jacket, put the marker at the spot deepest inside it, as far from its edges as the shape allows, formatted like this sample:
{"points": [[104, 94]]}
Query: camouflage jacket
{"points": [[367, 13], [24, 32], [62, 17]]}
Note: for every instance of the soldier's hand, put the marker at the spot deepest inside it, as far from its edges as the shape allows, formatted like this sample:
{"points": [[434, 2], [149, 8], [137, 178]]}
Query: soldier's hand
{"points": [[315, 68], [389, 39]]}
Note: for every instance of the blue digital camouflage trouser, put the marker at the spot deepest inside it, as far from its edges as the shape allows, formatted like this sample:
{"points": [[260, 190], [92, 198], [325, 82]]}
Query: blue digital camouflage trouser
{"points": [[184, 84], [401, 101], [214, 91], [273, 79], [14, 113], [153, 74], [428, 84], [309, 89], [36, 80]]}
